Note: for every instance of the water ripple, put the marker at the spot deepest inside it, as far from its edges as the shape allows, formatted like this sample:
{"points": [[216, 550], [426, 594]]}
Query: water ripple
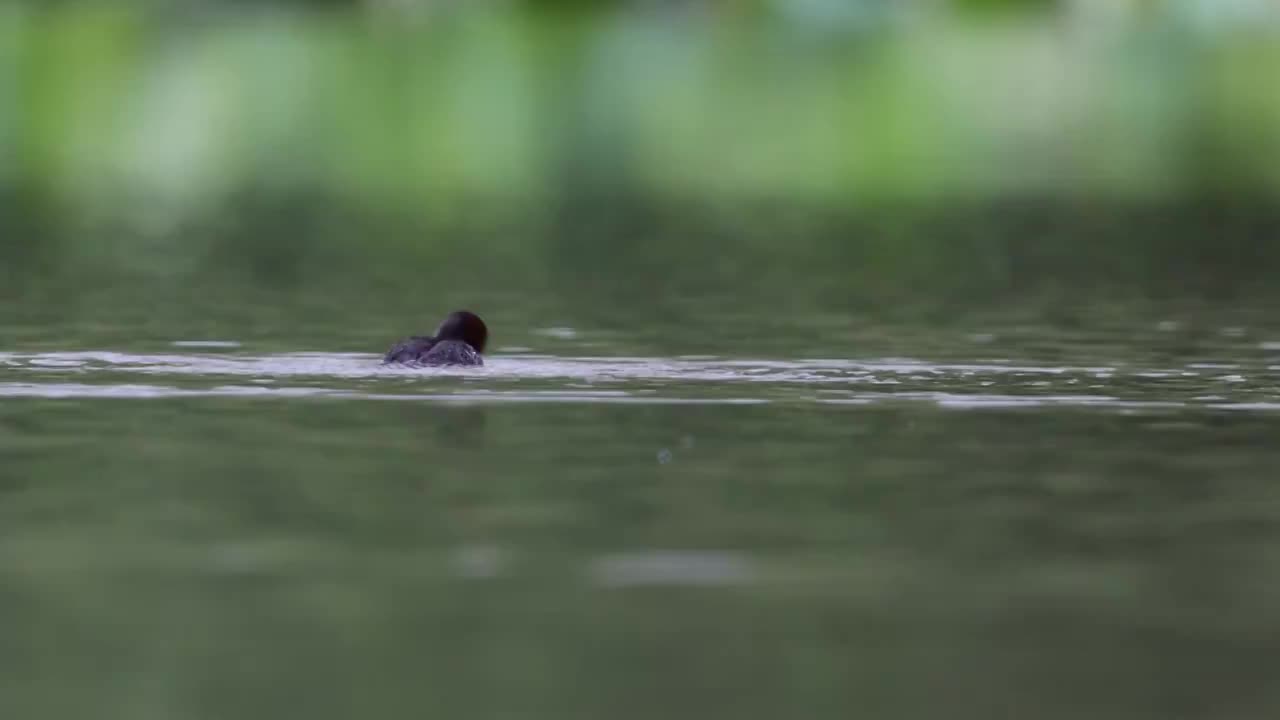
{"points": [[531, 378]]}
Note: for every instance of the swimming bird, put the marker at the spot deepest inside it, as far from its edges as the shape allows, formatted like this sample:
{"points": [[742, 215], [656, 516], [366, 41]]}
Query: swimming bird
{"points": [[458, 341]]}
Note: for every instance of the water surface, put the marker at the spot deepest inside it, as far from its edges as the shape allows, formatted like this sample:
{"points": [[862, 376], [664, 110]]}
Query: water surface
{"points": [[209, 530]]}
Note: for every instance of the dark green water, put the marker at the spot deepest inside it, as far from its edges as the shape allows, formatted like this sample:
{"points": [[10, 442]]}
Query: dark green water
{"points": [[216, 531]]}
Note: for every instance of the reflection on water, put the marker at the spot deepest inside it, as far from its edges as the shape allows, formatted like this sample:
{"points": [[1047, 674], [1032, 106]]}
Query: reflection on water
{"points": [[671, 568]]}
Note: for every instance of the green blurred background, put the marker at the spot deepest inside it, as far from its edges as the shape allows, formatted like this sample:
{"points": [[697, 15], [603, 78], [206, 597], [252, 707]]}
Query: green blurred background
{"points": [[328, 174]]}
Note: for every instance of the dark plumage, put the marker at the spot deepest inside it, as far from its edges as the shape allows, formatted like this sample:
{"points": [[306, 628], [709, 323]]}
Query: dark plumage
{"points": [[458, 341]]}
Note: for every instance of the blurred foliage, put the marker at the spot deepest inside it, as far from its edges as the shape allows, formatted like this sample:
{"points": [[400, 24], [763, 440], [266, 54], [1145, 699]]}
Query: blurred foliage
{"points": [[387, 106], [796, 155]]}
